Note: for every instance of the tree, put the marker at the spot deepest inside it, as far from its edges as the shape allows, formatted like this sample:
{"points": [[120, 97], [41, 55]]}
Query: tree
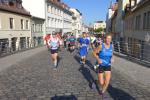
{"points": [[98, 30]]}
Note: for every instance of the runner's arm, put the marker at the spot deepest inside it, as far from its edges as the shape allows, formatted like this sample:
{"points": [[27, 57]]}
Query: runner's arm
{"points": [[95, 52], [49, 45]]}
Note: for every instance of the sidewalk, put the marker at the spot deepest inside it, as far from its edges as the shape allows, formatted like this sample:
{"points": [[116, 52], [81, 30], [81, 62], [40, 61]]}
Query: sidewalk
{"points": [[133, 71], [8, 61]]}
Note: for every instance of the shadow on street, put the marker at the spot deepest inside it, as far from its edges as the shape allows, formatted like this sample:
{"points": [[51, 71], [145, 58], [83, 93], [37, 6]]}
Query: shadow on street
{"points": [[118, 94], [72, 97], [88, 76]]}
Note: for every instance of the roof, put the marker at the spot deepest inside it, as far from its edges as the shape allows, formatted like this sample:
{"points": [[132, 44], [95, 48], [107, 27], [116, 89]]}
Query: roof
{"points": [[99, 21], [14, 9], [79, 11], [140, 4]]}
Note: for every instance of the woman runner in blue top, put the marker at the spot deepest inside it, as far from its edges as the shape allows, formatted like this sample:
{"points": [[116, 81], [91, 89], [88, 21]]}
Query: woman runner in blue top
{"points": [[104, 56]]}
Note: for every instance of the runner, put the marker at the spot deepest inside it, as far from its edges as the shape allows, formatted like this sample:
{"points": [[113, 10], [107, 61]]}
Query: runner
{"points": [[88, 37], [93, 40], [105, 58], [72, 43], [84, 42], [65, 41], [97, 43], [54, 43]]}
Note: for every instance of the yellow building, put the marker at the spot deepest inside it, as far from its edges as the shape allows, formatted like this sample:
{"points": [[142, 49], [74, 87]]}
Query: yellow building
{"points": [[15, 32]]}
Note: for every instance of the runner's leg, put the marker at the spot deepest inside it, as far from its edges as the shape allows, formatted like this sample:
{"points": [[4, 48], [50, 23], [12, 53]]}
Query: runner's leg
{"points": [[107, 77], [101, 80], [55, 57]]}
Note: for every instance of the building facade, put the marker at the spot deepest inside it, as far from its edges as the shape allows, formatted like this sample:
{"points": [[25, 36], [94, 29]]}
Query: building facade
{"points": [[99, 24], [58, 17], [37, 30], [38, 11], [85, 28], [137, 28], [111, 10], [76, 22], [15, 31]]}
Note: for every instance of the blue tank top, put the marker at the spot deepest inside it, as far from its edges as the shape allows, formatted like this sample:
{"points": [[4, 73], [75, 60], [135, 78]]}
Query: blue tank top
{"points": [[105, 55]]}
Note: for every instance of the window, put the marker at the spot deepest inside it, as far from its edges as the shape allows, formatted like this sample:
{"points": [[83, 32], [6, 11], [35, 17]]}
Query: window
{"points": [[55, 11], [52, 9], [0, 24], [11, 21], [41, 28], [144, 21], [137, 22], [49, 9], [148, 20], [33, 27], [27, 24], [22, 24]]}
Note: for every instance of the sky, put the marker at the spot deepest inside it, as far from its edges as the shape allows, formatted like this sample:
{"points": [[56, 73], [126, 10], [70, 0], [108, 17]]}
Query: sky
{"points": [[92, 10]]}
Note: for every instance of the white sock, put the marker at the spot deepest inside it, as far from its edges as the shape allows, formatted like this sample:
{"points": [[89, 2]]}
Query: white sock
{"points": [[55, 63]]}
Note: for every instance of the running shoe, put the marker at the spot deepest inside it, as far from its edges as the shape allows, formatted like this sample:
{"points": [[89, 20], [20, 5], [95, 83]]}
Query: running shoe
{"points": [[104, 97]]}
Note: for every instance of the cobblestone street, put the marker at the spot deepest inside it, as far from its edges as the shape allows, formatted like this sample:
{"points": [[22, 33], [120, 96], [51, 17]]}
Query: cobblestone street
{"points": [[34, 79]]}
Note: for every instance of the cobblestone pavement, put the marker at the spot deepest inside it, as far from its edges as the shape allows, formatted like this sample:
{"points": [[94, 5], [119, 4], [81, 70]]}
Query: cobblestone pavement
{"points": [[34, 79]]}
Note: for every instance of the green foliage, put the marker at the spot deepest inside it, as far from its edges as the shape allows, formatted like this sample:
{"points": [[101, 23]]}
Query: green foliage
{"points": [[98, 30]]}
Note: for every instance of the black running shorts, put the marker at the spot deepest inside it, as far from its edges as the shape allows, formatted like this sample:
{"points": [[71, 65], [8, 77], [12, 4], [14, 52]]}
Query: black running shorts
{"points": [[102, 69], [54, 51]]}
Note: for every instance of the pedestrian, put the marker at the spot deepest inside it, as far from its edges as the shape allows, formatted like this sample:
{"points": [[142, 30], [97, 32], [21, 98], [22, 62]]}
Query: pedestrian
{"points": [[54, 43], [88, 37], [105, 58], [65, 41], [83, 42], [72, 43], [93, 40]]}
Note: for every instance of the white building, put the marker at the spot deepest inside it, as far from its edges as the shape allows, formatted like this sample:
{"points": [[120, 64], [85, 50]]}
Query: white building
{"points": [[76, 22], [99, 24], [36, 10], [15, 31], [58, 17], [56, 14], [85, 28]]}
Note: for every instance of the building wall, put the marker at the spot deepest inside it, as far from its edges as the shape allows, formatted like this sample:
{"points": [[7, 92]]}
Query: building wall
{"points": [[130, 24], [67, 22], [16, 32], [37, 29], [76, 22], [136, 34], [100, 25], [57, 19], [37, 8], [108, 20]]}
